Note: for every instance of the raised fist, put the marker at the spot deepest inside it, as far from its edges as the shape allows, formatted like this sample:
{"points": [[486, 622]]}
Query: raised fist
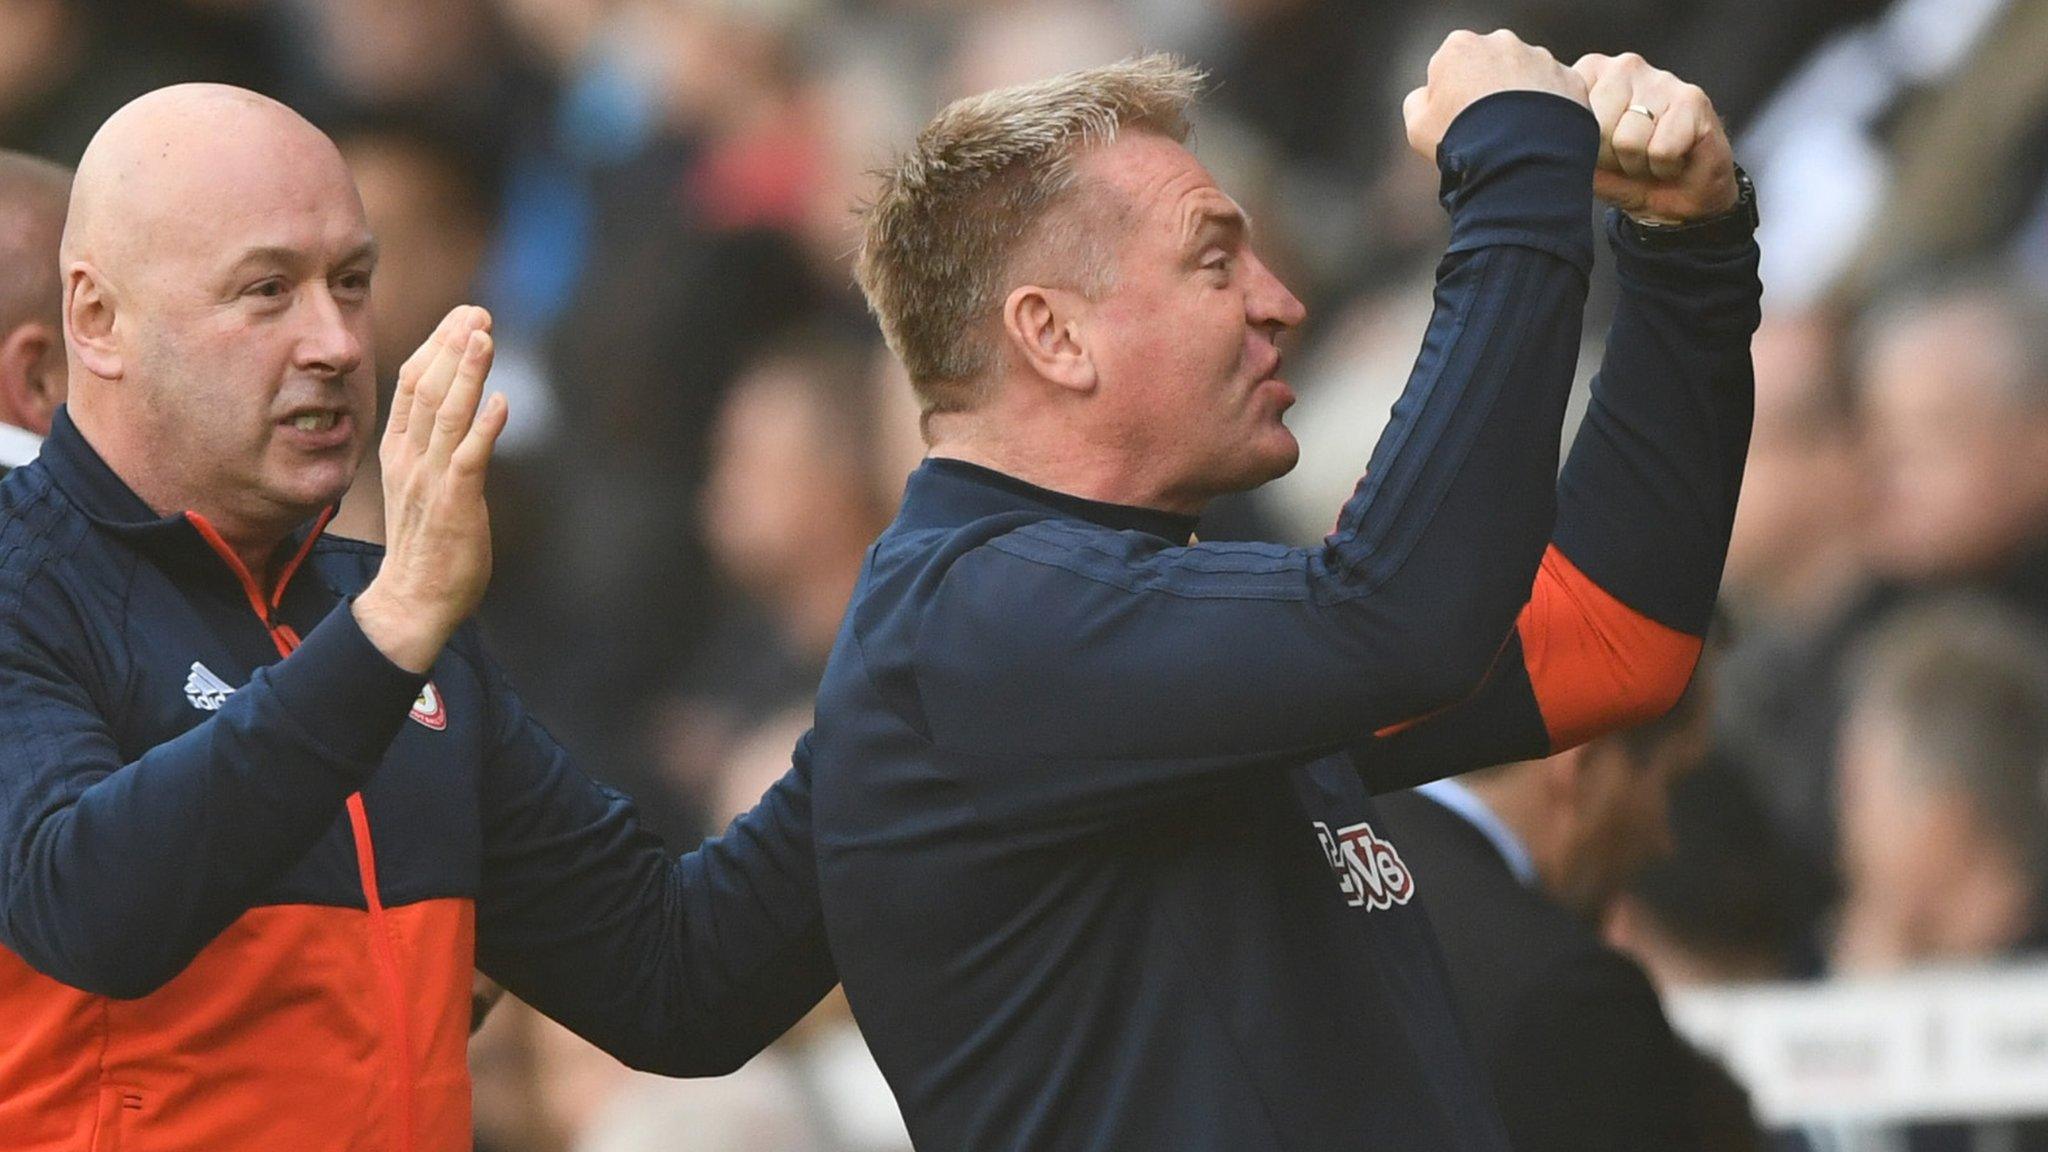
{"points": [[1469, 66], [1664, 156]]}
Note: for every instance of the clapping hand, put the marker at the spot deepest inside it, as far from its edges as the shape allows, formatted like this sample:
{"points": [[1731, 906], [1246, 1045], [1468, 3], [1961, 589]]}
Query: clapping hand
{"points": [[436, 449]]}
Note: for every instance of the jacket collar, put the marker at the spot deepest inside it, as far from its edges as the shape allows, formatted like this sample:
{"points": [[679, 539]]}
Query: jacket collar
{"points": [[945, 493], [183, 544]]}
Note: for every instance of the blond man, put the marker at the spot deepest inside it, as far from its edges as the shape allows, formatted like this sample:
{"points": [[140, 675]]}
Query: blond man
{"points": [[1092, 812]]}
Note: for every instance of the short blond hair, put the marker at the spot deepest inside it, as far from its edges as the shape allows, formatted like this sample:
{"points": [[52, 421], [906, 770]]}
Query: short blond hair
{"points": [[942, 237]]}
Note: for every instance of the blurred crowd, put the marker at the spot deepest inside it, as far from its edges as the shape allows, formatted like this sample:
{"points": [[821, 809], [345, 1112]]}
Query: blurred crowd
{"points": [[655, 197]]}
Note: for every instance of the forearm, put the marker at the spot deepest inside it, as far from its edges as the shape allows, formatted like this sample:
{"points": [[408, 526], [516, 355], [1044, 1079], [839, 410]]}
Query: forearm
{"points": [[1647, 498], [113, 886], [1459, 496], [685, 966], [1616, 617]]}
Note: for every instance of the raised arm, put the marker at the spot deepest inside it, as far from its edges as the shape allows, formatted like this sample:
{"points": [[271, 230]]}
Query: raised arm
{"points": [[1618, 610], [1160, 667]]}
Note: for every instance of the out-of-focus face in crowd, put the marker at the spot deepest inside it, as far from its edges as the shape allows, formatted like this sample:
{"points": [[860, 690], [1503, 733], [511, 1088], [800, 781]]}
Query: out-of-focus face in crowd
{"points": [[788, 476], [1943, 763], [1956, 403], [1802, 493], [431, 233], [1622, 822], [217, 272], [33, 196]]}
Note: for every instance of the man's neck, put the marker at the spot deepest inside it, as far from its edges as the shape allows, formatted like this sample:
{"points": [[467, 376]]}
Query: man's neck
{"points": [[253, 540], [1517, 799]]}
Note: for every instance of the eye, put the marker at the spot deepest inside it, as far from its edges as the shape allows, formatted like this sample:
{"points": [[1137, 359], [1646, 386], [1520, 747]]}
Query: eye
{"points": [[1219, 263], [352, 285], [269, 289]]}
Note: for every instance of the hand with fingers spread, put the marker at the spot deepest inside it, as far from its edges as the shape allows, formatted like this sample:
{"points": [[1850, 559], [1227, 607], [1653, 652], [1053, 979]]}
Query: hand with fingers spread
{"points": [[1664, 156], [1469, 66], [436, 449]]}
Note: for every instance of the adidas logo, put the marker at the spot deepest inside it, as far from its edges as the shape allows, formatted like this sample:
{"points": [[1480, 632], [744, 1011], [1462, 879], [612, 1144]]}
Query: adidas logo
{"points": [[206, 691]]}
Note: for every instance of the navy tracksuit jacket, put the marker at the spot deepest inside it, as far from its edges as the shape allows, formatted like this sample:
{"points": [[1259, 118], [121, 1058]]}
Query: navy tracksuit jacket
{"points": [[242, 893], [1099, 861]]}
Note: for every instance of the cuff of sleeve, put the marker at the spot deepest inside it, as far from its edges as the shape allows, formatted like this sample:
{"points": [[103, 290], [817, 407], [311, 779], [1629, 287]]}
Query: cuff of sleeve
{"points": [[1518, 169], [343, 691], [1717, 281]]}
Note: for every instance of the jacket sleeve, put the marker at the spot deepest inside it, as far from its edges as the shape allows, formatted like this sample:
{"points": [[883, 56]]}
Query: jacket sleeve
{"points": [[113, 873], [1620, 606], [685, 966], [1152, 668]]}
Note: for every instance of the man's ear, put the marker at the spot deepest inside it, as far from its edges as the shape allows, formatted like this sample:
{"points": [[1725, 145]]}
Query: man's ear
{"points": [[31, 375], [1045, 328], [89, 304]]}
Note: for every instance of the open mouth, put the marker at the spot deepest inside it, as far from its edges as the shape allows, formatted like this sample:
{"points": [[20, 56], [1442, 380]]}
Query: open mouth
{"points": [[315, 421]]}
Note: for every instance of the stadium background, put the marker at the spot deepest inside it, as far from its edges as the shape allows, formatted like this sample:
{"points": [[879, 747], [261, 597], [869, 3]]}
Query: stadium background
{"points": [[653, 198]]}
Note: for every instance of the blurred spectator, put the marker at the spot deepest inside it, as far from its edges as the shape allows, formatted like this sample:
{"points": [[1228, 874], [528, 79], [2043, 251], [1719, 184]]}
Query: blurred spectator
{"points": [[1797, 589], [431, 202], [1822, 151], [1794, 556], [1944, 819], [1716, 910], [1515, 865], [448, 63], [34, 195], [1955, 390], [1944, 822], [66, 65], [1976, 139], [789, 508]]}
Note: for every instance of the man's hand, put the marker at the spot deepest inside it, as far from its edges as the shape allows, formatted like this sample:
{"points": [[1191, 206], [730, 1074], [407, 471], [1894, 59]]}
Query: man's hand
{"points": [[1469, 66], [1664, 156], [437, 533]]}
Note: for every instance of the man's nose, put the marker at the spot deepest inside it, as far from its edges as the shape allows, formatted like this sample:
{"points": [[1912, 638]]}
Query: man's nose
{"points": [[1269, 303], [328, 341]]}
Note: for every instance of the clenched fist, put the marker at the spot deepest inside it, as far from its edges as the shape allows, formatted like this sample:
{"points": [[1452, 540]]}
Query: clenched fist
{"points": [[1469, 66], [1664, 156]]}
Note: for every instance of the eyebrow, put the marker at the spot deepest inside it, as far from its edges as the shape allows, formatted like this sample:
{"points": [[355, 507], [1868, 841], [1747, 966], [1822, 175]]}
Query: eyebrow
{"points": [[280, 255], [1232, 221]]}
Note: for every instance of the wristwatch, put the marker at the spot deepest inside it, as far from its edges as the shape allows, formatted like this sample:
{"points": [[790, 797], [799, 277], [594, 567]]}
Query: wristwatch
{"points": [[1734, 226]]}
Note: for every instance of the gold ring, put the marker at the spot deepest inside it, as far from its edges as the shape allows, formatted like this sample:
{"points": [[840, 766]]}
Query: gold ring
{"points": [[1644, 111]]}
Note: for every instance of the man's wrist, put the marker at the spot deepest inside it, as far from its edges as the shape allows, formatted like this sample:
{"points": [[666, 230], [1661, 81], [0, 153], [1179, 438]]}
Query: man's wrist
{"points": [[1517, 169], [400, 633], [1734, 226]]}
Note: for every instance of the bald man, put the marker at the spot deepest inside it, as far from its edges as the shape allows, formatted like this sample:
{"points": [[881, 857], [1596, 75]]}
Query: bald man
{"points": [[33, 193], [264, 799]]}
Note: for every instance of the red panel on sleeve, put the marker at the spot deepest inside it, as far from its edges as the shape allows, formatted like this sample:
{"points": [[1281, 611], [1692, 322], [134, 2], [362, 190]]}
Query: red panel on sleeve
{"points": [[1595, 663]]}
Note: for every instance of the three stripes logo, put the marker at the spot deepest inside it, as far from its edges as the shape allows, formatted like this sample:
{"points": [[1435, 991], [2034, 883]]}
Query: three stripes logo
{"points": [[206, 691]]}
